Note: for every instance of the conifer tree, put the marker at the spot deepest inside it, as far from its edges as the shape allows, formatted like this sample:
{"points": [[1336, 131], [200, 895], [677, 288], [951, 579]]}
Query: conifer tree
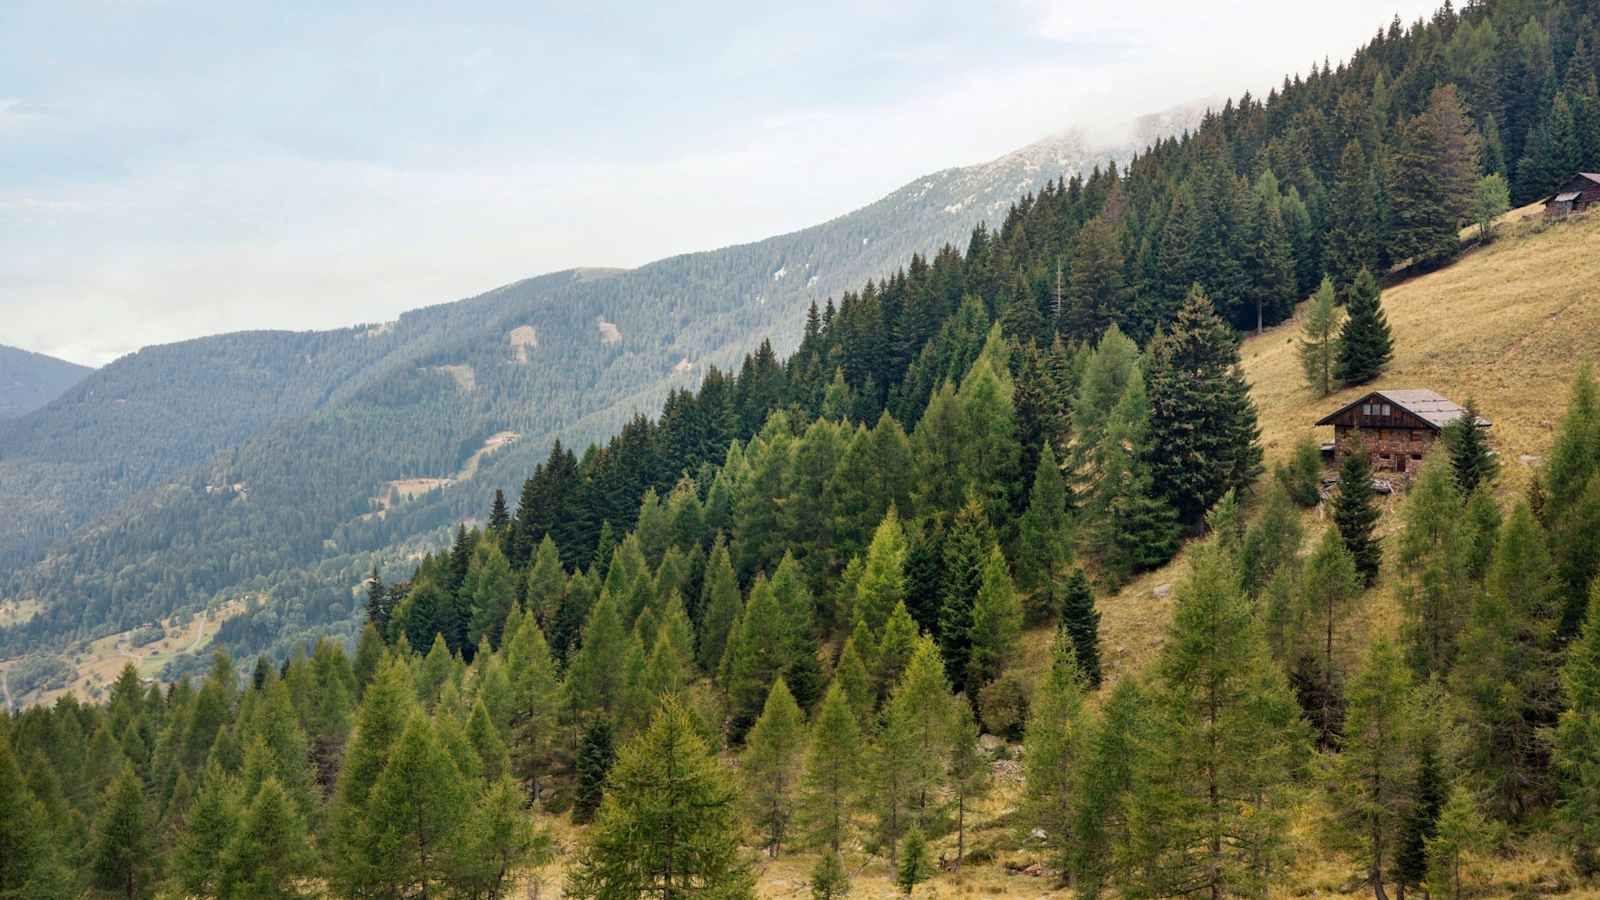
{"points": [[122, 857], [1351, 242], [596, 755], [30, 866], [385, 709], [1577, 743], [1331, 584], [828, 878], [1319, 340], [969, 772], [498, 839], [834, 759], [1355, 512], [1470, 457], [719, 604], [1369, 780], [1209, 801], [996, 624], [594, 682], [1365, 344], [1426, 801], [1043, 541], [1202, 419], [1081, 621], [668, 826], [1052, 746], [883, 580], [1461, 835], [914, 867], [1435, 550], [416, 810], [1435, 170], [855, 679], [1106, 749], [208, 829], [1106, 372], [965, 550], [1509, 670], [771, 766], [269, 855], [1139, 528]]}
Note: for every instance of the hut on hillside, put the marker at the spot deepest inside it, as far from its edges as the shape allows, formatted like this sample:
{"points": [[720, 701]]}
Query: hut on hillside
{"points": [[1579, 193], [1397, 427]]}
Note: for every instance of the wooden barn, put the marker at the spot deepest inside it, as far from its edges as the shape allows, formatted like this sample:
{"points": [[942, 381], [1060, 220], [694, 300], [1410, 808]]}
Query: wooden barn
{"points": [[1578, 194], [1397, 427]]}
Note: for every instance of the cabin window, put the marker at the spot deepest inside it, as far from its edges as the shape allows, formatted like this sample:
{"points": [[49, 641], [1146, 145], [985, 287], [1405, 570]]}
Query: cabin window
{"points": [[1416, 456], [1386, 409], [1366, 409]]}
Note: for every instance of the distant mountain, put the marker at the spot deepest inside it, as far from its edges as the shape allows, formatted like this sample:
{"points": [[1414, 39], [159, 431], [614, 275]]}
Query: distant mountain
{"points": [[30, 380], [247, 461]]}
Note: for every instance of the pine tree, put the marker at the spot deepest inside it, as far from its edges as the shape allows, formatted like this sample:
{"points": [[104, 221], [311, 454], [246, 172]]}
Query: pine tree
{"points": [[123, 854], [1043, 541], [1577, 743], [596, 755], [771, 766], [1081, 621], [834, 760], [1202, 420], [1365, 344], [667, 826], [1209, 801], [914, 867], [1319, 340], [996, 624], [1355, 513], [1369, 780], [1052, 747]]}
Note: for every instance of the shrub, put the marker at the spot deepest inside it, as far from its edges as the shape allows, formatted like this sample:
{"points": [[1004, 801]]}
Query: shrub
{"points": [[1003, 706]]}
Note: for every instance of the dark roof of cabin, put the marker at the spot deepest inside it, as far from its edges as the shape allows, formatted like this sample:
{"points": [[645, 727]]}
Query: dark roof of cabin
{"points": [[1429, 406], [1591, 176]]}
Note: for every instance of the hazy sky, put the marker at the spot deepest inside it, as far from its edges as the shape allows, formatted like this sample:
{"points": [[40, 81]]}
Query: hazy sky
{"points": [[170, 169]]}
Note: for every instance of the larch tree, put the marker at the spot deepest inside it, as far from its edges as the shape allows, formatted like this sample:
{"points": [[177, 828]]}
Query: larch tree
{"points": [[1106, 753], [970, 777], [269, 856], [770, 766], [1052, 747], [123, 853], [1462, 835], [829, 791], [416, 810], [30, 865], [1319, 339], [1330, 585], [883, 580], [1369, 781], [1138, 527], [1435, 588], [996, 624], [1577, 744], [1210, 798], [668, 826]]}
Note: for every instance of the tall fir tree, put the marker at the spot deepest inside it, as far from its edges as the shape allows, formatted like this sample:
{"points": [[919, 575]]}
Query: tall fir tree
{"points": [[1470, 457], [1081, 621], [1043, 538], [1365, 344], [1355, 512]]}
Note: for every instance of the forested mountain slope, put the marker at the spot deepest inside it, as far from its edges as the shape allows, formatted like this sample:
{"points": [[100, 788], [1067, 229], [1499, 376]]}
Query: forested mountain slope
{"points": [[183, 470], [30, 380]]}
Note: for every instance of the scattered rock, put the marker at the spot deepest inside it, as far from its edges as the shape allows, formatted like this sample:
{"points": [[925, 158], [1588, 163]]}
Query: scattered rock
{"points": [[990, 742], [609, 332], [1529, 459], [1037, 834], [1162, 591]]}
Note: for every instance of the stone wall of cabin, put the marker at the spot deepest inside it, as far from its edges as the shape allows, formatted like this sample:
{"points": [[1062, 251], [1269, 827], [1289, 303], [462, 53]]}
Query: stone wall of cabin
{"points": [[1391, 449]]}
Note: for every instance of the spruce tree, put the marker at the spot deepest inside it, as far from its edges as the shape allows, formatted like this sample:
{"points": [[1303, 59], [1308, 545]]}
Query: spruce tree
{"points": [[1365, 344], [1319, 340], [1369, 781], [30, 866], [668, 825], [833, 768], [1081, 621], [771, 766], [1138, 528], [965, 550], [1355, 513], [1470, 456], [1426, 801], [596, 755], [1577, 744], [1351, 241], [1202, 420]]}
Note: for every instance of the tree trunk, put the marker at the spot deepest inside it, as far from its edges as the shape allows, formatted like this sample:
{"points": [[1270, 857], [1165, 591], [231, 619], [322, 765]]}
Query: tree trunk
{"points": [[961, 831]]}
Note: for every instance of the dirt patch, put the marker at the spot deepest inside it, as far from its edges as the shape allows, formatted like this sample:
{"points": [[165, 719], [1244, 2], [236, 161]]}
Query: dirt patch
{"points": [[465, 378], [609, 332], [523, 339]]}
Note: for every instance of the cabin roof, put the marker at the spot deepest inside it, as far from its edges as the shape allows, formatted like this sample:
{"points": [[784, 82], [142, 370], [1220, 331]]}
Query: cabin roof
{"points": [[1567, 197], [1429, 406]]}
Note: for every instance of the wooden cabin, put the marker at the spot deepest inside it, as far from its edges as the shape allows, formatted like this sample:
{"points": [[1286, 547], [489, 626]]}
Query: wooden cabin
{"points": [[1397, 427], [1578, 194]]}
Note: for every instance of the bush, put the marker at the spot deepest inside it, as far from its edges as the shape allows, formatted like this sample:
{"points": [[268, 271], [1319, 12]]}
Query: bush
{"points": [[1003, 706], [1302, 476], [146, 635]]}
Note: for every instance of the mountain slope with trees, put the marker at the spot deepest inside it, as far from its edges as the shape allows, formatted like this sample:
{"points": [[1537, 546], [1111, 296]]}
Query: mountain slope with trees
{"points": [[31, 380]]}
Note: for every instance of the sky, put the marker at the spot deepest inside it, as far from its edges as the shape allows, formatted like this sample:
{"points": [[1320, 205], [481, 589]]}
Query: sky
{"points": [[172, 169]]}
